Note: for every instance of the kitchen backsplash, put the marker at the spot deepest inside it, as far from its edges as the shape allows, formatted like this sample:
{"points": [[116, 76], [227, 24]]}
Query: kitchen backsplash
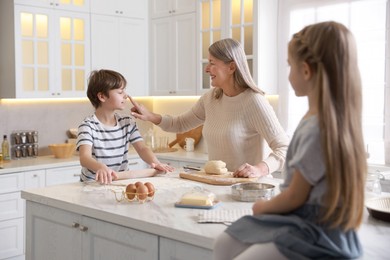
{"points": [[52, 118]]}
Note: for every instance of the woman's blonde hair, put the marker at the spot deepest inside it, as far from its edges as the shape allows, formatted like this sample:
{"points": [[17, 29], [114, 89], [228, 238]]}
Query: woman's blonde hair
{"points": [[229, 50], [329, 49]]}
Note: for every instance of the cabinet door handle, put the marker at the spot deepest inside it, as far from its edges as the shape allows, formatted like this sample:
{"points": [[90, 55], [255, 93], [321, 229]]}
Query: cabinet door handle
{"points": [[83, 228], [172, 92], [76, 175], [133, 163], [75, 225]]}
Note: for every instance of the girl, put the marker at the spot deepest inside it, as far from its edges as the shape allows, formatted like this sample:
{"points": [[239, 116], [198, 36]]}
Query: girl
{"points": [[322, 199]]}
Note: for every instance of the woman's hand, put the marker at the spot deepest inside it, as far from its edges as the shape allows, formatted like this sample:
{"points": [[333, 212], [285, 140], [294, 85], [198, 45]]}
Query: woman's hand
{"points": [[141, 112], [249, 171], [162, 167]]}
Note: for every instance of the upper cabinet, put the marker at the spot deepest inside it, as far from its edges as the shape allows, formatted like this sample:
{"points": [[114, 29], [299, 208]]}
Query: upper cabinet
{"points": [[226, 19], [69, 5], [119, 34], [126, 8], [45, 51], [173, 48], [163, 8]]}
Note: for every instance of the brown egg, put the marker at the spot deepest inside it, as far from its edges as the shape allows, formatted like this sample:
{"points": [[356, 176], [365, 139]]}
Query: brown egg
{"points": [[151, 189], [138, 183], [142, 191], [131, 190]]}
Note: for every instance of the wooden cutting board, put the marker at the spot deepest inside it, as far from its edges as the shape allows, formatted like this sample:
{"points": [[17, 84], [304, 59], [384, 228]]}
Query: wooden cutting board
{"points": [[195, 133], [225, 179]]}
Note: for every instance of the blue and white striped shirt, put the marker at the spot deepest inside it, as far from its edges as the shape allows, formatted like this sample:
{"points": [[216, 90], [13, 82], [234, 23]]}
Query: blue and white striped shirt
{"points": [[110, 144]]}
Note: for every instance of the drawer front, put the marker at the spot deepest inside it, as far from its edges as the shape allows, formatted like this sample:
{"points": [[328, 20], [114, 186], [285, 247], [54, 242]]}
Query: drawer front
{"points": [[11, 238], [11, 206], [11, 182], [34, 179], [135, 164], [63, 175], [191, 164]]}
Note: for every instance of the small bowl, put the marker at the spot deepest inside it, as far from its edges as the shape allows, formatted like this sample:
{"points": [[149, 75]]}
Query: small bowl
{"points": [[252, 191], [62, 151]]}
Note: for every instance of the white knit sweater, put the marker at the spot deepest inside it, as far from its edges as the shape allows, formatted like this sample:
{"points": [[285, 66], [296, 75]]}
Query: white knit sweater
{"points": [[234, 129]]}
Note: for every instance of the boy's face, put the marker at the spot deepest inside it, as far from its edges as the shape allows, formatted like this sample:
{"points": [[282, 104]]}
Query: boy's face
{"points": [[116, 99]]}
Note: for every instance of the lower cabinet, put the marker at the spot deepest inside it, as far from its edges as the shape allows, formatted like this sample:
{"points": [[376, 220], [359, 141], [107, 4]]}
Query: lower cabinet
{"points": [[12, 206], [57, 234], [63, 175], [172, 249], [136, 164]]}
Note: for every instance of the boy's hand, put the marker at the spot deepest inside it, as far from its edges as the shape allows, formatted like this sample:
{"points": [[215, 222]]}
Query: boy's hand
{"points": [[105, 175], [162, 167]]}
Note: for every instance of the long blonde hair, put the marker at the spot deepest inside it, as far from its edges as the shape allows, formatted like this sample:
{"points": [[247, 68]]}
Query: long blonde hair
{"points": [[329, 49], [228, 50]]}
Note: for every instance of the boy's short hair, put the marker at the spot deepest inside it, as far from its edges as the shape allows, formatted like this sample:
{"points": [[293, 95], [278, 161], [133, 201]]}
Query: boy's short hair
{"points": [[102, 81]]}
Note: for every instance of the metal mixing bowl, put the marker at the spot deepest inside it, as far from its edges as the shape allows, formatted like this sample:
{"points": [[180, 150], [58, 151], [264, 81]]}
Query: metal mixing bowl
{"points": [[250, 192]]}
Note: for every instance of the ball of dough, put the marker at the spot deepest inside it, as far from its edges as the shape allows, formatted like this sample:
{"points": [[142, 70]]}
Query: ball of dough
{"points": [[215, 167]]}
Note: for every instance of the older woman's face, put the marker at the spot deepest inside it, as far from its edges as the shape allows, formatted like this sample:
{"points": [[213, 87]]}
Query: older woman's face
{"points": [[220, 72]]}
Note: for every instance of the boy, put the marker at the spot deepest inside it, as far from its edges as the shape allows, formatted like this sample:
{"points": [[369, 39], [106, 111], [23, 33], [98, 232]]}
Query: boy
{"points": [[104, 137]]}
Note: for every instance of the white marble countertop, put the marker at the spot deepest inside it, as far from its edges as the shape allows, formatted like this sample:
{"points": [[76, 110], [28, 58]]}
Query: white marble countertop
{"points": [[161, 218], [37, 163], [42, 162]]}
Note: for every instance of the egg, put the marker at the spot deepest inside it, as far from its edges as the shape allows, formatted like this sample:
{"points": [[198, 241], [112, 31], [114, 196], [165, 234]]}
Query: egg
{"points": [[138, 183], [151, 189], [131, 190], [142, 191]]}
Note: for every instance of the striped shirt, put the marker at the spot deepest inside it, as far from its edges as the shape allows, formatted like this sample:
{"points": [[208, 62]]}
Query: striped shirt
{"points": [[110, 144]]}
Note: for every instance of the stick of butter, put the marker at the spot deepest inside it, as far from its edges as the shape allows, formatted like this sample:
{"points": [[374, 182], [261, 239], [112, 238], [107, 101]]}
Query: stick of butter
{"points": [[198, 199]]}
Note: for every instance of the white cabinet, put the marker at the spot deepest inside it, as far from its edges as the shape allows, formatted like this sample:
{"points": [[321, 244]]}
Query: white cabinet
{"points": [[162, 8], [171, 249], [182, 163], [62, 175], [120, 42], [56, 234], [173, 55], [12, 210], [45, 51], [136, 164], [70, 5], [127, 8]]}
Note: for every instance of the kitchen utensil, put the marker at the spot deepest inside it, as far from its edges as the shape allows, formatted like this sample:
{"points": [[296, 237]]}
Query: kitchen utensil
{"points": [[250, 192], [64, 150], [189, 144], [72, 132], [379, 208], [195, 133], [225, 179]]}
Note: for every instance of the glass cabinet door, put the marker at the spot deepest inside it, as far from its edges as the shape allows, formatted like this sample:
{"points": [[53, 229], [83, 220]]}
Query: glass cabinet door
{"points": [[51, 57], [72, 54], [225, 19], [241, 26], [33, 51]]}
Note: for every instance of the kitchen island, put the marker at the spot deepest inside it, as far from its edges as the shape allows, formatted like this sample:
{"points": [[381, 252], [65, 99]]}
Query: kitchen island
{"points": [[81, 221]]}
